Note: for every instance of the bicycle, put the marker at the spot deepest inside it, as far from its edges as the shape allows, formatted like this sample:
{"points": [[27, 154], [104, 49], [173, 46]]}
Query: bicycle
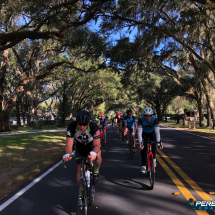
{"points": [[86, 183], [130, 142], [150, 166], [102, 137]]}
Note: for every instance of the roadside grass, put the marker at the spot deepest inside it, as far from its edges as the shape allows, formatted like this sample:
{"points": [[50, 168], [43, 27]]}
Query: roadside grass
{"points": [[25, 127], [23, 156], [202, 131]]}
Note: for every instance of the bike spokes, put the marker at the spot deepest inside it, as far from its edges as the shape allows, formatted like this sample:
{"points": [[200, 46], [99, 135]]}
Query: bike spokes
{"points": [[82, 199], [151, 173]]}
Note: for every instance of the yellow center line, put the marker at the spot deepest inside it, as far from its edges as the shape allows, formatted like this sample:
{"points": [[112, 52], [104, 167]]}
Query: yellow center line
{"points": [[179, 184], [198, 190]]}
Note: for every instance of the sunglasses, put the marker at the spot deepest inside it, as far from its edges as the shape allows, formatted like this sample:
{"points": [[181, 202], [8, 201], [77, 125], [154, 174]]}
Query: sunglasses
{"points": [[129, 113], [84, 124], [148, 115]]}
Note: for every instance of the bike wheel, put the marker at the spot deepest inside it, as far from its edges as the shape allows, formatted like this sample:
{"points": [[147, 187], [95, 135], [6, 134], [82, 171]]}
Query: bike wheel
{"points": [[82, 209], [151, 173]]}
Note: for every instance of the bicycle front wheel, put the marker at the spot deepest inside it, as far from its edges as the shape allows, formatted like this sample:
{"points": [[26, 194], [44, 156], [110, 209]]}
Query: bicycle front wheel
{"points": [[82, 205], [151, 173]]}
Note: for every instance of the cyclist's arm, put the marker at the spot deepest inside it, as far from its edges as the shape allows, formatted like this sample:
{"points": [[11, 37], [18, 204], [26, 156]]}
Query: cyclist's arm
{"points": [[125, 125], [135, 124], [96, 145], [69, 145], [140, 131]]}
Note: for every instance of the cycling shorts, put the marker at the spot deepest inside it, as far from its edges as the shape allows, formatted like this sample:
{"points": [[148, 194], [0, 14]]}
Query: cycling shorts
{"points": [[84, 150], [131, 129]]}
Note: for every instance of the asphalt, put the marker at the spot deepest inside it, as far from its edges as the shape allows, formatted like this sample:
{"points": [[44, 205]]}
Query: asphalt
{"points": [[123, 189]]}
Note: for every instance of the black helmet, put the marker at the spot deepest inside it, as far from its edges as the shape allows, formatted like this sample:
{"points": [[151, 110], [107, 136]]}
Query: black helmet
{"points": [[129, 111], [83, 117]]}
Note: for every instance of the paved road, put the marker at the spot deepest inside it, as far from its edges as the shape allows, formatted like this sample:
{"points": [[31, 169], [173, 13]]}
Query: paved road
{"points": [[123, 190]]}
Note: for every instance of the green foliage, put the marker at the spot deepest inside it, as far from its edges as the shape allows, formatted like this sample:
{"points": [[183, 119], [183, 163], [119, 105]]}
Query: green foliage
{"points": [[39, 123]]}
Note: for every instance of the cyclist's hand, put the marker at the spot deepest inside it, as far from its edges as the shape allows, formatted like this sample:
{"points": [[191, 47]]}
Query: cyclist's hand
{"points": [[160, 146], [66, 157], [91, 157], [141, 147]]}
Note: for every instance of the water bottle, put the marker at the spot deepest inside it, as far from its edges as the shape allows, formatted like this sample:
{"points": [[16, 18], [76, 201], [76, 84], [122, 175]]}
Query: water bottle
{"points": [[73, 153], [87, 175]]}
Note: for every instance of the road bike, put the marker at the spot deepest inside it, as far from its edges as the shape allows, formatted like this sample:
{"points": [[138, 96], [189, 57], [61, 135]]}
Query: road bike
{"points": [[86, 184], [150, 165], [102, 137], [129, 142]]}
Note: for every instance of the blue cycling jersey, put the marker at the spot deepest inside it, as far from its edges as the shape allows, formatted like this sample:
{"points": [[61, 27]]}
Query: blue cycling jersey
{"points": [[130, 121], [148, 126], [102, 121]]}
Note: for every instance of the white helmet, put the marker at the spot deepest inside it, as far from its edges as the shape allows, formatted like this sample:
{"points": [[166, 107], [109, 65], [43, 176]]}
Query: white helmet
{"points": [[148, 111]]}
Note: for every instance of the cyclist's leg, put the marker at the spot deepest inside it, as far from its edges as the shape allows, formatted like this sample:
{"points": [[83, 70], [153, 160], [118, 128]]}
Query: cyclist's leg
{"points": [[154, 146], [104, 130], [133, 135], [126, 133], [96, 168], [144, 150]]}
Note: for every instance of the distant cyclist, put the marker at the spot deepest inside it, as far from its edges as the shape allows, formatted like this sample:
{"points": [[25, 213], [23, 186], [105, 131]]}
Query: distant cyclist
{"points": [[103, 125], [112, 120], [118, 121], [130, 124], [148, 127], [87, 136]]}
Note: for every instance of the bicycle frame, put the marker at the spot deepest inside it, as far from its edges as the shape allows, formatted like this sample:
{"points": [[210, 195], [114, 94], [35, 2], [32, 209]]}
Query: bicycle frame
{"points": [[149, 154]]}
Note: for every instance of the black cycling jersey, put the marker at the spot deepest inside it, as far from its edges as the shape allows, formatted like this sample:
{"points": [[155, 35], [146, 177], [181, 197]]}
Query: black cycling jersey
{"points": [[84, 140]]}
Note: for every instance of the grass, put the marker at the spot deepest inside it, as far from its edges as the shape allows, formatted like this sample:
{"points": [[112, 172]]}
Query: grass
{"points": [[25, 127], [24, 156]]}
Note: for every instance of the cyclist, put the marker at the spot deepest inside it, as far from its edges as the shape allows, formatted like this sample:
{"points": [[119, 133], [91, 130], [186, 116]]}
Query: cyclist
{"points": [[97, 118], [118, 122], [130, 124], [103, 125], [148, 127], [112, 120], [87, 136]]}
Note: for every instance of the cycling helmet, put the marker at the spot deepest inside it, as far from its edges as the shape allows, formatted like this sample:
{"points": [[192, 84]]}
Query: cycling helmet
{"points": [[99, 115], [148, 111], [118, 114], [83, 117], [129, 111]]}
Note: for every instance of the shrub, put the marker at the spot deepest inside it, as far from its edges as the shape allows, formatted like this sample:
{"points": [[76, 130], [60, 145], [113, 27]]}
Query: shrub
{"points": [[14, 127], [39, 123]]}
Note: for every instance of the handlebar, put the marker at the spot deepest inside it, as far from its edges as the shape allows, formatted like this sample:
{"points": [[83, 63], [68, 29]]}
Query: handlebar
{"points": [[81, 157]]}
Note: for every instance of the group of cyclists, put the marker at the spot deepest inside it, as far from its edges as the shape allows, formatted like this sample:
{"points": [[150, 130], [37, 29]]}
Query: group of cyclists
{"points": [[86, 133]]}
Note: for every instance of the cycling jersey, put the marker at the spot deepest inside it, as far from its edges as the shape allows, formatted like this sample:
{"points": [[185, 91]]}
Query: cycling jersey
{"points": [[118, 120], [83, 138], [130, 121], [102, 121], [148, 126]]}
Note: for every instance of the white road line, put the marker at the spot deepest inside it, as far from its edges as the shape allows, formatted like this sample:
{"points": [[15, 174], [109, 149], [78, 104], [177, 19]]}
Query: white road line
{"points": [[188, 132], [17, 195]]}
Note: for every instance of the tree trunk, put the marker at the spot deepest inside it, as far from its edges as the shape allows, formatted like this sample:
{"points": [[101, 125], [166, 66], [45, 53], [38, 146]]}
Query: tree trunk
{"points": [[23, 117], [18, 113], [209, 122], [200, 108], [63, 119], [2, 78], [209, 100]]}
